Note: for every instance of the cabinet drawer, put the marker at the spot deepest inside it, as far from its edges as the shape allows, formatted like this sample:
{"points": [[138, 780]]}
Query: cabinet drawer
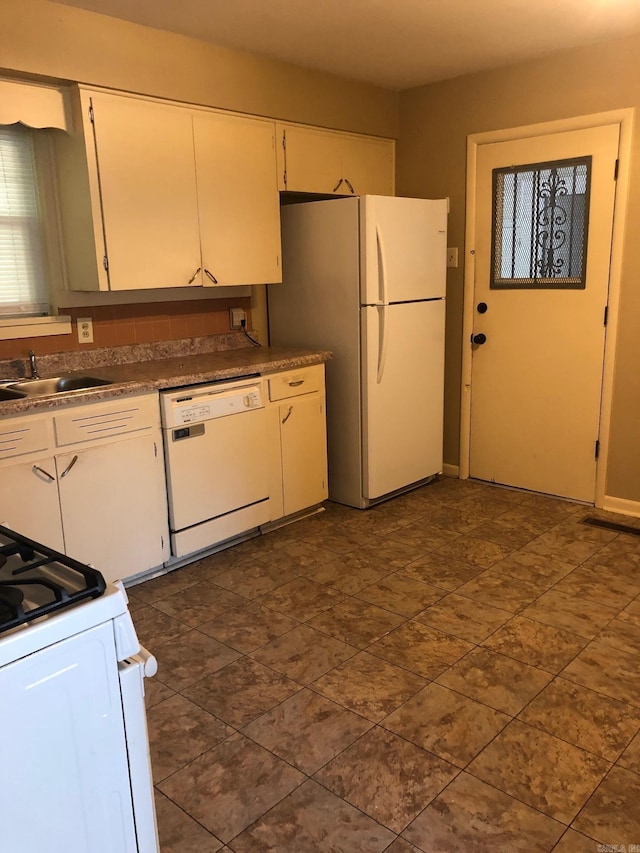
{"points": [[105, 420], [24, 435], [293, 383]]}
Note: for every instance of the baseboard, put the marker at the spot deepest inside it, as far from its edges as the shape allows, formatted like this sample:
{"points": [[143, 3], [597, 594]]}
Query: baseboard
{"points": [[451, 470], [621, 505]]}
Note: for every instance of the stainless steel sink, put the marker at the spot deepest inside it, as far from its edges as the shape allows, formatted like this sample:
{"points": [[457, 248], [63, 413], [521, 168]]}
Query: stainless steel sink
{"points": [[55, 385], [11, 394]]}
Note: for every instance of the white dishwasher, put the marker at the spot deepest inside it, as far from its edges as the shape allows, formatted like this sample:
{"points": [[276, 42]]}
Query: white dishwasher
{"points": [[216, 455]]}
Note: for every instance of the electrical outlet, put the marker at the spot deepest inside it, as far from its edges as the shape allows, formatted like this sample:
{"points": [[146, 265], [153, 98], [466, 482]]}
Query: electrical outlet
{"points": [[85, 330], [452, 257], [236, 316]]}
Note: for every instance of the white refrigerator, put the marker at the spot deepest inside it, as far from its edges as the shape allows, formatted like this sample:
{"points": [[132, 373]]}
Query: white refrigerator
{"points": [[365, 277]]}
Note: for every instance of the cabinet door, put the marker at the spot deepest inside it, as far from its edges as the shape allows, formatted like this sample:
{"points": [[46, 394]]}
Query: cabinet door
{"points": [[313, 160], [238, 199], [148, 193], [303, 437], [29, 501], [368, 165], [114, 507]]}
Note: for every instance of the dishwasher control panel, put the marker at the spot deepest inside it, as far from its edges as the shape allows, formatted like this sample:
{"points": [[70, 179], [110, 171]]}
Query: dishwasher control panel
{"points": [[192, 406]]}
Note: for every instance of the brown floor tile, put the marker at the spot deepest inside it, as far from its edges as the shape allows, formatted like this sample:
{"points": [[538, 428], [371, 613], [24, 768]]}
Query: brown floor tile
{"points": [[446, 723], [298, 556], [303, 654], [401, 594], [584, 718], [161, 587], [499, 590], [420, 649], [600, 587], [369, 686], [241, 692], [401, 846], [536, 644], [630, 758], [423, 536], [391, 553], [441, 572], [179, 833], [496, 680], [463, 617], [505, 533], [310, 820], [301, 599], [472, 816], [199, 603], [348, 573], [248, 627], [387, 777], [451, 517], [538, 769], [307, 730], [338, 538], [529, 566], [154, 627], [213, 789], [189, 657], [623, 634], [576, 842], [607, 670], [356, 623], [155, 691], [180, 731], [254, 578], [612, 812], [477, 552], [569, 613], [561, 545]]}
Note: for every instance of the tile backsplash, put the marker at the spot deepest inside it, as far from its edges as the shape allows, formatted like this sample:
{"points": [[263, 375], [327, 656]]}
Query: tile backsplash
{"points": [[140, 323]]}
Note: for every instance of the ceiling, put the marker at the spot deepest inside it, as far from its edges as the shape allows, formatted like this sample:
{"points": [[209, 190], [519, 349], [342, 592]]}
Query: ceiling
{"points": [[396, 44]]}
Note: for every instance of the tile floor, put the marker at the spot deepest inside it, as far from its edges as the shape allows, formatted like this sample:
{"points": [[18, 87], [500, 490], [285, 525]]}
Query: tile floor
{"points": [[455, 670]]}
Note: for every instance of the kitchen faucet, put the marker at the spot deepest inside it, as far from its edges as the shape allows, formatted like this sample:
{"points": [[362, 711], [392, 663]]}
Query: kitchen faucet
{"points": [[34, 365]]}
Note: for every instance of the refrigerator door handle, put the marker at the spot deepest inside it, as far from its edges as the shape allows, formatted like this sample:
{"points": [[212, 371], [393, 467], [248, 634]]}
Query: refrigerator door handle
{"points": [[382, 268], [382, 341]]}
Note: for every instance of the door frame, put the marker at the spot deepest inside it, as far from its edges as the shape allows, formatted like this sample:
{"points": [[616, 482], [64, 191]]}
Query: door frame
{"points": [[623, 117]]}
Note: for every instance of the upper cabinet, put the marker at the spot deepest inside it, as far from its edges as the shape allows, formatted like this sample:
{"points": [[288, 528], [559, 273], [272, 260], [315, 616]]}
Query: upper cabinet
{"points": [[175, 196], [332, 163], [238, 201]]}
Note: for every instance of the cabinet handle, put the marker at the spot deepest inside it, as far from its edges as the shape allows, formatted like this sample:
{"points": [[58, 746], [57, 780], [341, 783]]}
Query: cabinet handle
{"points": [[350, 185], [288, 415], [211, 276], [42, 471], [337, 185], [193, 277], [69, 466], [296, 383]]}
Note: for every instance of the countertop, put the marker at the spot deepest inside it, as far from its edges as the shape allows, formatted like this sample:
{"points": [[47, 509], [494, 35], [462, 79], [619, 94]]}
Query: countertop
{"points": [[174, 372]]}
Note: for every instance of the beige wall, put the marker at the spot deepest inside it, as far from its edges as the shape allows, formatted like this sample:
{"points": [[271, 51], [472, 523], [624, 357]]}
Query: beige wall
{"points": [[431, 156], [42, 38]]}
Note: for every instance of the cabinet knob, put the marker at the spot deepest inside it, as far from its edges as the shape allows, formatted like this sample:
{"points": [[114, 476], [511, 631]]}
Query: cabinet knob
{"points": [[40, 470], [69, 466], [288, 415], [335, 189], [211, 276]]}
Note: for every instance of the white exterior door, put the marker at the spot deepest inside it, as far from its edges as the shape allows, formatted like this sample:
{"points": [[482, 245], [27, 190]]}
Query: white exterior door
{"points": [[537, 375], [403, 387]]}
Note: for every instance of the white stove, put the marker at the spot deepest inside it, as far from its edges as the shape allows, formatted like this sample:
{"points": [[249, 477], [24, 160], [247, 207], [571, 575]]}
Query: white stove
{"points": [[71, 709]]}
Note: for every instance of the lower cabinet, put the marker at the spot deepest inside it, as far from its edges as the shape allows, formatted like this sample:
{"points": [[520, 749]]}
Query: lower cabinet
{"points": [[298, 418], [101, 497]]}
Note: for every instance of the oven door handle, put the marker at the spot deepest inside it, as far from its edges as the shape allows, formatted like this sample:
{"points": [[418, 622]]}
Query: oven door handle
{"points": [[148, 662]]}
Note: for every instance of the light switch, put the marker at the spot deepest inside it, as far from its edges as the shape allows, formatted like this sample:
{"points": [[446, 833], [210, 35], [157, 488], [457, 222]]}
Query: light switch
{"points": [[452, 257]]}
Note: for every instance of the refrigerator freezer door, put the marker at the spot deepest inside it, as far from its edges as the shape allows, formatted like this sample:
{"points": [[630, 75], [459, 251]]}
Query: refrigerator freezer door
{"points": [[403, 390], [404, 249]]}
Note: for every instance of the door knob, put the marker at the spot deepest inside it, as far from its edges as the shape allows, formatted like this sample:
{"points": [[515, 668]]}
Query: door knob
{"points": [[478, 339]]}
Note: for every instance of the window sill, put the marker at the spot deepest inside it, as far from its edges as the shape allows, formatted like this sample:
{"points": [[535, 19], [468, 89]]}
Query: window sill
{"points": [[33, 327]]}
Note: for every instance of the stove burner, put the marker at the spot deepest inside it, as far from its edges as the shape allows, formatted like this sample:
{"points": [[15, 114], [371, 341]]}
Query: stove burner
{"points": [[36, 580], [11, 598]]}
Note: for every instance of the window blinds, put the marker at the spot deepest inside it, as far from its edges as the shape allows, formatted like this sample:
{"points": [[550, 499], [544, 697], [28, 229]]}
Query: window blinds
{"points": [[23, 288]]}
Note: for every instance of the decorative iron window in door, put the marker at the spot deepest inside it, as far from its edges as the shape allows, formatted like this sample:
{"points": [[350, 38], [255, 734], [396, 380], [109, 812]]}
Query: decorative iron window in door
{"points": [[540, 225]]}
